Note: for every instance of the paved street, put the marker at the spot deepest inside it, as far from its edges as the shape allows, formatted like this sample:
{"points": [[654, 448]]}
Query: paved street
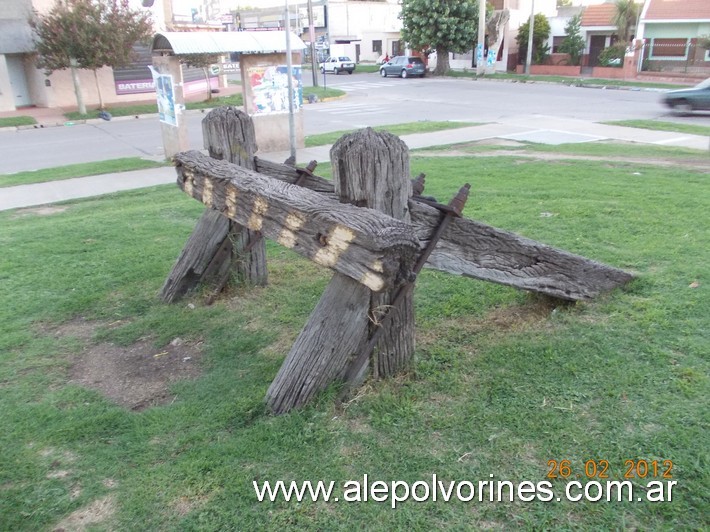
{"points": [[371, 101]]}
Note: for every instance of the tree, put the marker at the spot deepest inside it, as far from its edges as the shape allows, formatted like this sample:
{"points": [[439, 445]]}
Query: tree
{"points": [[625, 16], [202, 61], [541, 33], [441, 25], [88, 34], [573, 43]]}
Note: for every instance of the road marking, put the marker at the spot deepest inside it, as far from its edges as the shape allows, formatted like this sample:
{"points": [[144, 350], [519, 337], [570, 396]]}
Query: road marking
{"points": [[353, 109]]}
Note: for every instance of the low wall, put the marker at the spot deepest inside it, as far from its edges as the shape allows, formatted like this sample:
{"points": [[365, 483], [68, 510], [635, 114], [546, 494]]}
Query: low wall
{"points": [[608, 72], [550, 70]]}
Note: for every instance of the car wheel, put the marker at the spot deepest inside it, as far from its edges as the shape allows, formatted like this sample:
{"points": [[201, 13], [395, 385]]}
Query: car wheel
{"points": [[322, 70], [350, 71], [383, 73], [683, 107], [403, 74], [336, 71]]}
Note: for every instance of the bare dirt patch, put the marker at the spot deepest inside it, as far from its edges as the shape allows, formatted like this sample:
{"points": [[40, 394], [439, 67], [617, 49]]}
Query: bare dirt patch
{"points": [[44, 210], [136, 376], [95, 513]]}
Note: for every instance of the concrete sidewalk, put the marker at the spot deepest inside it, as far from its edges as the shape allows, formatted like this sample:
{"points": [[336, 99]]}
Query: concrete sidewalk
{"points": [[532, 128]]}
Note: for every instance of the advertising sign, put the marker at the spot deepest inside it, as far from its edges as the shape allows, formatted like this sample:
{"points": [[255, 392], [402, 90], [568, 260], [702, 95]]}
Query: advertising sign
{"points": [[270, 89], [166, 99]]}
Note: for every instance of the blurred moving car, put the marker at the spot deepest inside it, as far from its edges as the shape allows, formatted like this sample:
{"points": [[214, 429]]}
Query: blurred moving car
{"points": [[403, 66], [338, 65], [687, 100]]}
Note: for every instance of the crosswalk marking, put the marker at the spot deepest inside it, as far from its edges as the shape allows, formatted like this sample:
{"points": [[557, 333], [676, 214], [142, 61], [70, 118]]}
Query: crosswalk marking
{"points": [[363, 85], [349, 109]]}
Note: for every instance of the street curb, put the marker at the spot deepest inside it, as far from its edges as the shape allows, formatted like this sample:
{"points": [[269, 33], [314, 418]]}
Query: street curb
{"points": [[70, 123]]}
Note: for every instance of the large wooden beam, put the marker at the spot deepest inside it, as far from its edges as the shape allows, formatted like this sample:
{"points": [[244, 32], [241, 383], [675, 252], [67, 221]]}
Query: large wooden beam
{"points": [[477, 250], [365, 245]]}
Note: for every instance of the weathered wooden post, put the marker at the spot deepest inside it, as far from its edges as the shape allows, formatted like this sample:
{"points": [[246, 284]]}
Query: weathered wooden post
{"points": [[219, 248], [370, 169]]}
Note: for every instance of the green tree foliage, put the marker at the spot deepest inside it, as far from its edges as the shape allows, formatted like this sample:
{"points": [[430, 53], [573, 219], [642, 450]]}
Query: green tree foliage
{"points": [[441, 25], [541, 33], [88, 34], [625, 16], [573, 43], [202, 61]]}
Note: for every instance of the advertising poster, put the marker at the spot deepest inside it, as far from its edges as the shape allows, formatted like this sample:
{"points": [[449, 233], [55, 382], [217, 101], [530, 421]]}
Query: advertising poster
{"points": [[166, 99], [270, 89]]}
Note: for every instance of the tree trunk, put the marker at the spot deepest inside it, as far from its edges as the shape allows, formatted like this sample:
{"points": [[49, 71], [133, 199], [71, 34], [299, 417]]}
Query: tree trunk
{"points": [[370, 169], [209, 85], [74, 65], [98, 89], [442, 62]]}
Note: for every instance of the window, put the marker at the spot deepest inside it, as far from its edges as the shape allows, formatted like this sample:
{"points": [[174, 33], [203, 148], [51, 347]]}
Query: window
{"points": [[377, 47], [669, 48], [556, 43]]}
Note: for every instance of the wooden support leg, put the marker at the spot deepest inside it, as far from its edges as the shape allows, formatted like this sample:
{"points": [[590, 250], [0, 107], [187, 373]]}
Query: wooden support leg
{"points": [[219, 249], [335, 331], [198, 257], [370, 169]]}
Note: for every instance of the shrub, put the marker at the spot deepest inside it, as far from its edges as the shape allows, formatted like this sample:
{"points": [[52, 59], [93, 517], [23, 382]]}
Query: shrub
{"points": [[613, 56]]}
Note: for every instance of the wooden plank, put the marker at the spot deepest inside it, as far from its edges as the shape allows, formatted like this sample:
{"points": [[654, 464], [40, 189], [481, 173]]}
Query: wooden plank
{"points": [[365, 245], [290, 174], [477, 250], [195, 262]]}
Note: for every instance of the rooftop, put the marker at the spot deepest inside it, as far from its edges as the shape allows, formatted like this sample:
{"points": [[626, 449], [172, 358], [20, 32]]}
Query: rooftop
{"points": [[678, 10], [599, 15]]}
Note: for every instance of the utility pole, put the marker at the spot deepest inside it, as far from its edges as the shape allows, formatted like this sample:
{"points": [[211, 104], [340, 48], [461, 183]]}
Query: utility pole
{"points": [[289, 72], [480, 61], [312, 37], [531, 30]]}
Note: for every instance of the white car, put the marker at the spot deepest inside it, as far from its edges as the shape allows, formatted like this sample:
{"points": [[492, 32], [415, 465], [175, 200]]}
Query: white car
{"points": [[338, 65]]}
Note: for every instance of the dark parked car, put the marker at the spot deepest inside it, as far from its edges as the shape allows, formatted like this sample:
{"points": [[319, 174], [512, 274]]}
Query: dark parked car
{"points": [[403, 66], [686, 100]]}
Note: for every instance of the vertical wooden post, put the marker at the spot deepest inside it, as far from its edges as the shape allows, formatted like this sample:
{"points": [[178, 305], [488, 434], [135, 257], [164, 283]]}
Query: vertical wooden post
{"points": [[370, 169], [228, 134], [218, 248]]}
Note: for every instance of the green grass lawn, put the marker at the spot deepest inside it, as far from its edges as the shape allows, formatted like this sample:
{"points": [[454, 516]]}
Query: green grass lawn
{"points": [[152, 108], [569, 80], [14, 121], [503, 383], [77, 170], [423, 126], [657, 125]]}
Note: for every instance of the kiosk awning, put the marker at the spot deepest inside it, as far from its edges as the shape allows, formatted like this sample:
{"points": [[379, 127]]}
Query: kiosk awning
{"points": [[220, 42]]}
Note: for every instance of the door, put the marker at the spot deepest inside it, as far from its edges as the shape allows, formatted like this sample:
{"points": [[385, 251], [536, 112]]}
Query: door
{"points": [[357, 53], [596, 44], [18, 81]]}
